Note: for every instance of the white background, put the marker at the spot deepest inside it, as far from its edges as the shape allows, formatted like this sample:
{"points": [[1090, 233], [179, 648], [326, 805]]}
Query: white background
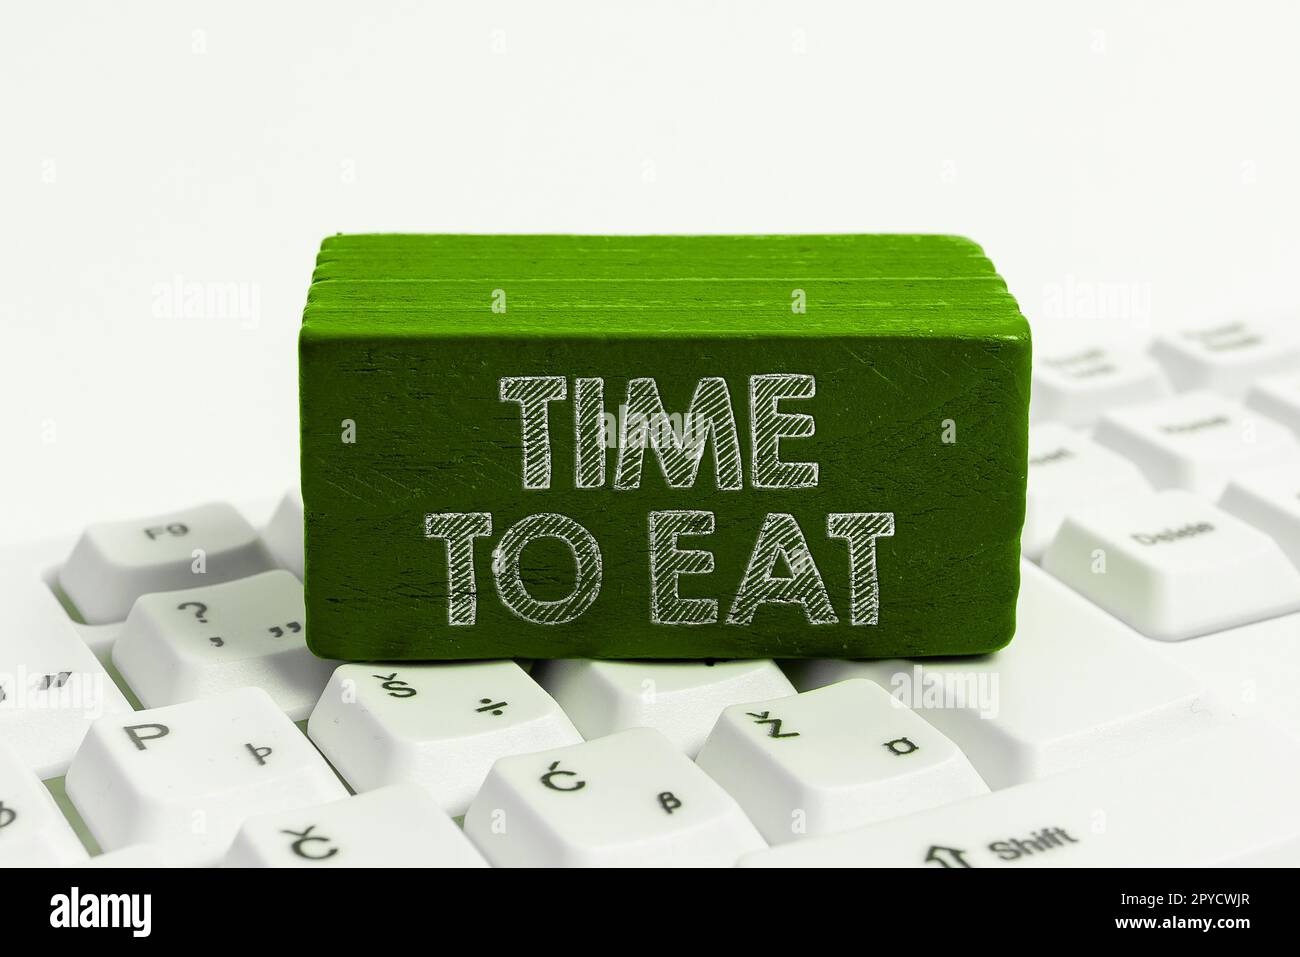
{"points": [[1126, 165]]}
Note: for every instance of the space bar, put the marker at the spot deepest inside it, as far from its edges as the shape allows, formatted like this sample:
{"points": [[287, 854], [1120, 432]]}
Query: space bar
{"points": [[1226, 796]]}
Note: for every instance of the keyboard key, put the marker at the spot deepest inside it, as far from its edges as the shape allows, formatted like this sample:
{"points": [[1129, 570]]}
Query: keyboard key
{"points": [[398, 826], [1068, 470], [114, 563], [1075, 387], [631, 799], [1196, 441], [439, 725], [32, 831], [1278, 397], [1250, 671], [680, 698], [182, 645], [1269, 499], [1074, 687], [191, 773], [1227, 357], [151, 857], [283, 534], [833, 759], [51, 685], [1227, 797], [1173, 566]]}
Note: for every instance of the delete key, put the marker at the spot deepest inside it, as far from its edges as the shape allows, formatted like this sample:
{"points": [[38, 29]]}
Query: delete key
{"points": [[661, 447]]}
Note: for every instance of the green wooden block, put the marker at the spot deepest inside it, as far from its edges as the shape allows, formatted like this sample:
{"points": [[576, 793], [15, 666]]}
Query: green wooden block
{"points": [[661, 447]]}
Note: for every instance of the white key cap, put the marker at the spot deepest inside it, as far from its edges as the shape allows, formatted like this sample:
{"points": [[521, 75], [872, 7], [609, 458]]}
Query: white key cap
{"points": [[833, 759], [1227, 357], [1227, 797], [680, 698], [1251, 671], [51, 685], [437, 725], [151, 857], [398, 826], [114, 563], [1278, 397], [191, 773], [1269, 499], [283, 534], [1075, 387], [1068, 470], [1196, 441], [1173, 566], [32, 831], [1073, 687], [182, 645], [631, 799]]}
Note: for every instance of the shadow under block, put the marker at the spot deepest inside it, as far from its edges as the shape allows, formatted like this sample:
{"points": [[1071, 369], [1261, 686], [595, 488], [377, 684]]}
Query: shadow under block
{"points": [[661, 447]]}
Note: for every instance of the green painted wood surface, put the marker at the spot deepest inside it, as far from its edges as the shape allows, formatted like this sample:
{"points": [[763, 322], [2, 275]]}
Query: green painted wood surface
{"points": [[921, 365]]}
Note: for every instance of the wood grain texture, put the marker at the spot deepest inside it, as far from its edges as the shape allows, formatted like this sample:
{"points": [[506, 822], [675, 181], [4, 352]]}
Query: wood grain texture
{"points": [[910, 339]]}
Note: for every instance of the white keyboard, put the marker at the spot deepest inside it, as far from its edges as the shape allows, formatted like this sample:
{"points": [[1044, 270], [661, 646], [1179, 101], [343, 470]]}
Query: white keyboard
{"points": [[159, 706]]}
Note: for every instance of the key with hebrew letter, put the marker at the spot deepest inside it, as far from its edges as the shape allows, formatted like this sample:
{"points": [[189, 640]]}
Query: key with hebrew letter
{"points": [[51, 684], [191, 773], [832, 759], [395, 826], [437, 725], [630, 799], [194, 643]]}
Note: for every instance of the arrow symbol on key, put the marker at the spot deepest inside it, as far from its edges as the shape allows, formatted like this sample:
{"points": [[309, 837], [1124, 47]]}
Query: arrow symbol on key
{"points": [[946, 857]]}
